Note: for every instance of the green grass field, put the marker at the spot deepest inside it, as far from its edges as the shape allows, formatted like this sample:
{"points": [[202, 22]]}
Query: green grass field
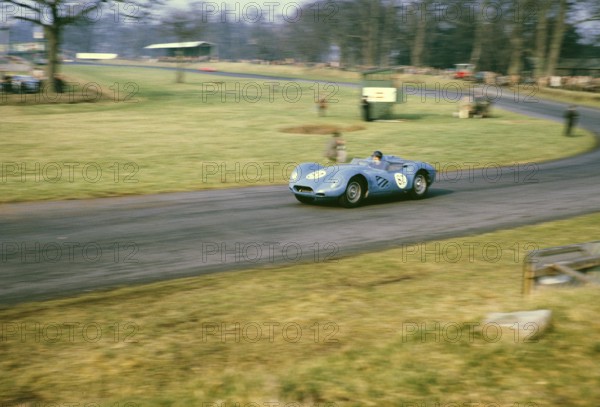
{"points": [[150, 135], [358, 331]]}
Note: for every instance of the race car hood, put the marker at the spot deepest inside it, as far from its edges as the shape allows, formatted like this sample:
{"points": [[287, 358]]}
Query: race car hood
{"points": [[315, 174]]}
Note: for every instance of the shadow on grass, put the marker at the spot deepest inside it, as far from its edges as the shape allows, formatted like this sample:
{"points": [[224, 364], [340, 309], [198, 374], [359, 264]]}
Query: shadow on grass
{"points": [[412, 116], [404, 117]]}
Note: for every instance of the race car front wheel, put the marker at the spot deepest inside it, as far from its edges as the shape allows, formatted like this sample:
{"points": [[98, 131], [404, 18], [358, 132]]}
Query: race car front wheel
{"points": [[354, 194], [420, 186]]}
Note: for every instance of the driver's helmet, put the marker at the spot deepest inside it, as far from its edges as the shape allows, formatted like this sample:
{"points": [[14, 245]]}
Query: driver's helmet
{"points": [[377, 154]]}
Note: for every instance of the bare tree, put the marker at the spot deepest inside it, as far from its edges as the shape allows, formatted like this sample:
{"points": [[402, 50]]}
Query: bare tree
{"points": [[516, 39], [369, 27], [184, 25], [308, 39], [557, 37], [387, 33], [541, 38], [480, 35], [418, 47]]}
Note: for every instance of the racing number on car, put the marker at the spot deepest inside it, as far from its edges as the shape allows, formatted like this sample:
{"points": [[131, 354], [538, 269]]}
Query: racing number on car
{"points": [[316, 174], [401, 180]]}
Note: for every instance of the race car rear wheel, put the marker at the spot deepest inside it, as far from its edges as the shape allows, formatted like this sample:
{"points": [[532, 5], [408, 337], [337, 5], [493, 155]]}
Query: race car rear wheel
{"points": [[420, 186], [354, 194]]}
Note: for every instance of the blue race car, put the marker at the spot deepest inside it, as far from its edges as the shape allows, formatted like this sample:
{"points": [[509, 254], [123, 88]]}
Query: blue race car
{"points": [[376, 176]]}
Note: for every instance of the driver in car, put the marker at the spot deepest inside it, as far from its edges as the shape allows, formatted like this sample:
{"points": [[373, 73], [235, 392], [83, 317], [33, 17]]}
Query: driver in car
{"points": [[377, 163]]}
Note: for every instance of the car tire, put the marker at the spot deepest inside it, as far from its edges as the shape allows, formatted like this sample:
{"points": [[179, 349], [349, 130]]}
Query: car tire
{"points": [[354, 193], [304, 199], [420, 186]]}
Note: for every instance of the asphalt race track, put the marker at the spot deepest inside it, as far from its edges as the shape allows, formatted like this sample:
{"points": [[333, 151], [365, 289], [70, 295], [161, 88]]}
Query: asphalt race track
{"points": [[55, 249]]}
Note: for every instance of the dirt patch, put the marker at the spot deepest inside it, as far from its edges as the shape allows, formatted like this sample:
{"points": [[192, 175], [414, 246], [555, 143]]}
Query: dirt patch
{"points": [[320, 129]]}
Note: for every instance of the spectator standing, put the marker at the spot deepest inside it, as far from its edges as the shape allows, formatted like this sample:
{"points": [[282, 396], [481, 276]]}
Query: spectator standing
{"points": [[322, 107], [59, 83], [571, 116], [366, 109], [336, 148]]}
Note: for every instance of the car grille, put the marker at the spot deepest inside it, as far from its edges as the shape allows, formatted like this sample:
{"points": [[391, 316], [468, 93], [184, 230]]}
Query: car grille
{"points": [[301, 188]]}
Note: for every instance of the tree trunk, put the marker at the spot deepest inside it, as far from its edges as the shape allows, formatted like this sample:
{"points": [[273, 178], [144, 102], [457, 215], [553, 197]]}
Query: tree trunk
{"points": [[416, 55], [541, 38], [369, 20], [557, 38], [180, 73], [386, 35], [516, 43], [480, 34], [52, 34]]}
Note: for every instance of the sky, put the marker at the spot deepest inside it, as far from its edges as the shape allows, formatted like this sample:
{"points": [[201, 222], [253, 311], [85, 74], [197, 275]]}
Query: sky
{"points": [[247, 10], [183, 3], [264, 4]]}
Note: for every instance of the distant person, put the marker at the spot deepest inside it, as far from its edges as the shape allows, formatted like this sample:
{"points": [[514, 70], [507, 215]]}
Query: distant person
{"points": [[336, 148], [571, 116], [59, 83], [322, 107], [7, 84], [366, 109]]}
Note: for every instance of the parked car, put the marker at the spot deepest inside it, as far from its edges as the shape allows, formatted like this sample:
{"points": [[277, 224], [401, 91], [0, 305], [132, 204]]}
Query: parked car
{"points": [[25, 84]]}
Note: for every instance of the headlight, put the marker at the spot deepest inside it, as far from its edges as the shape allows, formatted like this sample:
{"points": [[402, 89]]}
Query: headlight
{"points": [[294, 176]]}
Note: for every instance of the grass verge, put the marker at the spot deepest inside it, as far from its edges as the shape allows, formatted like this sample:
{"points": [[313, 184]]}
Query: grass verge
{"points": [[374, 329]]}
